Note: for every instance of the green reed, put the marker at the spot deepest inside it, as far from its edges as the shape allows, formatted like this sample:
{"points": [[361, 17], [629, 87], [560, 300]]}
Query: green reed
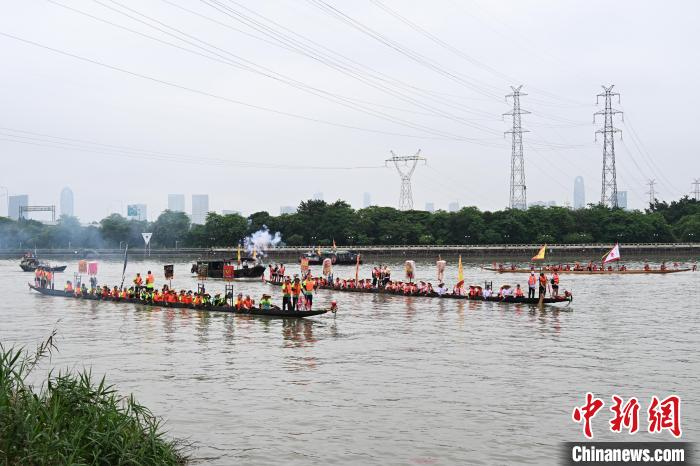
{"points": [[73, 419]]}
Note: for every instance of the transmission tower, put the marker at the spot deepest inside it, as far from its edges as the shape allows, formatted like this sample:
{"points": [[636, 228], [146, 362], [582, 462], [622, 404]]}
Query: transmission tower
{"points": [[696, 189], [518, 190], [608, 194], [405, 165], [651, 192]]}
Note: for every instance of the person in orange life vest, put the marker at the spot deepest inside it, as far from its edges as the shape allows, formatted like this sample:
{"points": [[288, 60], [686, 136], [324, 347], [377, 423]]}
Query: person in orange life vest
{"points": [[238, 303], [247, 302], [531, 283], [543, 284], [115, 293], [309, 292], [518, 291], [296, 291], [555, 284], [150, 281], [69, 287], [124, 294], [138, 282]]}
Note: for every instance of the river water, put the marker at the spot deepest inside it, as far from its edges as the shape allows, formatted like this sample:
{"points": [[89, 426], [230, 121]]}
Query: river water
{"points": [[389, 380]]}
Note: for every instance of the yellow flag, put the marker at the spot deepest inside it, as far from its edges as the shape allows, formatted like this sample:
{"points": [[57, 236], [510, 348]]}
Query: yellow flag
{"points": [[540, 255], [318, 249], [239, 253], [255, 253], [460, 270]]}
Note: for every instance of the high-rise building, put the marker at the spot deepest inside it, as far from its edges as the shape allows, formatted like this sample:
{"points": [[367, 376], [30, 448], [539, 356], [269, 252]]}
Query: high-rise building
{"points": [[543, 204], [430, 207], [318, 196], [14, 203], [200, 208], [230, 212], [176, 202], [137, 212], [453, 206], [622, 199], [287, 209], [579, 193], [366, 200], [67, 202]]}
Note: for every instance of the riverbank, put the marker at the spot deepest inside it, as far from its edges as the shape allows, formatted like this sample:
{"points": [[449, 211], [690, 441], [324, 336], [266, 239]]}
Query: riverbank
{"points": [[484, 252], [74, 419]]}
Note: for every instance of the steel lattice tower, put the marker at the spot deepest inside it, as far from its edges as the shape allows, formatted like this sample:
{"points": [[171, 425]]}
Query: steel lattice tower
{"points": [[405, 165], [651, 192], [518, 190], [608, 194]]}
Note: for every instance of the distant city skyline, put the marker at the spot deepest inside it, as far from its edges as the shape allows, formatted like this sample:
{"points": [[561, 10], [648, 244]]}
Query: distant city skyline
{"points": [[366, 200], [14, 203], [176, 202], [579, 193], [453, 206], [200, 208], [137, 212], [67, 206], [622, 199], [430, 207]]}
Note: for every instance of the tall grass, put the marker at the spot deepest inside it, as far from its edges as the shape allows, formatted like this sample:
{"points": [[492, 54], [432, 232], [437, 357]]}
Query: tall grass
{"points": [[73, 419]]}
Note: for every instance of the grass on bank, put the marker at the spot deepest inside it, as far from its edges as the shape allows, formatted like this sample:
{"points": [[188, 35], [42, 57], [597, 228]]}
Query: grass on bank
{"points": [[73, 419]]}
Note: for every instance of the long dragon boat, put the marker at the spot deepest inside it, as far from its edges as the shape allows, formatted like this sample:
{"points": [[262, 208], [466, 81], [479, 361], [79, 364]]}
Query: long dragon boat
{"points": [[493, 299], [210, 308], [586, 271]]}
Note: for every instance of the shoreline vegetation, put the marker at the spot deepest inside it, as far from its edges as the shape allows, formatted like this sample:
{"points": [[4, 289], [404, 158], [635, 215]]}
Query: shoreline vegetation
{"points": [[322, 224], [73, 419]]}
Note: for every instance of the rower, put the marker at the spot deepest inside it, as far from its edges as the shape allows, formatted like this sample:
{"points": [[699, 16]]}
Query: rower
{"points": [[518, 291], [238, 304], [69, 287], [247, 302], [265, 302]]}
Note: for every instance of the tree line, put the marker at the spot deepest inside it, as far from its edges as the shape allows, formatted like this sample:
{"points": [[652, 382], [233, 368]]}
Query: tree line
{"points": [[319, 223]]}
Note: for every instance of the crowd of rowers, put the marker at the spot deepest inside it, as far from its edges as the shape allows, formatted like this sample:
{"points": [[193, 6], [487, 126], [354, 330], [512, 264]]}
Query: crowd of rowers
{"points": [[297, 288], [146, 292], [590, 267]]}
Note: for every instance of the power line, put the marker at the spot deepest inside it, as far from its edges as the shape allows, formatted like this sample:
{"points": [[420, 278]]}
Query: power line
{"points": [[219, 97], [608, 195]]}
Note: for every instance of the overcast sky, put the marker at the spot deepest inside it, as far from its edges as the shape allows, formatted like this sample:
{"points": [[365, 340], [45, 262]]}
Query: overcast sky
{"points": [[262, 104]]}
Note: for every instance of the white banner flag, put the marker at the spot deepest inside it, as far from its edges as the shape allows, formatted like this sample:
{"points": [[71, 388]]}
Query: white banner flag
{"points": [[147, 237], [613, 255]]}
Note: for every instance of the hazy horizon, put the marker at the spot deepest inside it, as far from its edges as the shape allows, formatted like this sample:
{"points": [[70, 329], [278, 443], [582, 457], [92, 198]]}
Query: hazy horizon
{"points": [[262, 104]]}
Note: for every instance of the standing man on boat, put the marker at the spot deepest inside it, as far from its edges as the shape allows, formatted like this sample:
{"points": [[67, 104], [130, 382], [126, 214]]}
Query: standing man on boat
{"points": [[531, 282], [138, 282], [543, 285], [287, 294], [555, 284], [150, 282], [296, 291]]}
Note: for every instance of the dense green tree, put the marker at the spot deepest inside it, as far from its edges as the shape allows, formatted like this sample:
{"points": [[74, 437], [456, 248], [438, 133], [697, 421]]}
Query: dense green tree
{"points": [[170, 228]]}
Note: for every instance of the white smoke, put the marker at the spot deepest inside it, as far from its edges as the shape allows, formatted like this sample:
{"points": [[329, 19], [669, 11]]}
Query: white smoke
{"points": [[261, 241]]}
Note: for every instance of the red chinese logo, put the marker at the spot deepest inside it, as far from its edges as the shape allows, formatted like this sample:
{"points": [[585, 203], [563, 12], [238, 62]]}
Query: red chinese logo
{"points": [[586, 412], [662, 414], [665, 415], [626, 416]]}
